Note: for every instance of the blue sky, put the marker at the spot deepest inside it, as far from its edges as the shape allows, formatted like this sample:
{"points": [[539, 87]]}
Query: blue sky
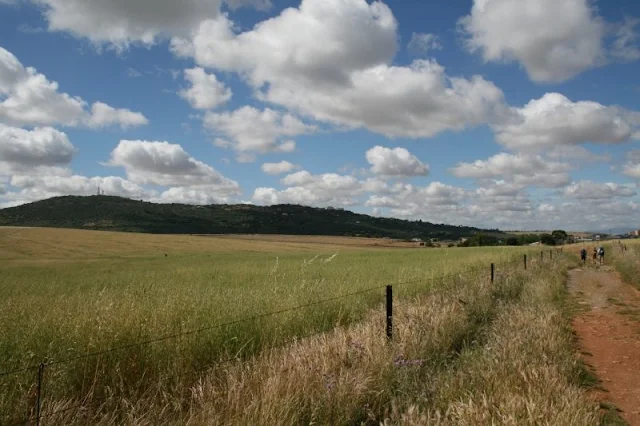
{"points": [[503, 113]]}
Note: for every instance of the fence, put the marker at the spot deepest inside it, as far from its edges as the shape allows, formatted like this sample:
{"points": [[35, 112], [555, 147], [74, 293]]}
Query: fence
{"points": [[40, 370]]}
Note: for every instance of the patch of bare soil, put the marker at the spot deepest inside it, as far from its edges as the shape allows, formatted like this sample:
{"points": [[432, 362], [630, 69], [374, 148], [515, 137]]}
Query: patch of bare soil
{"points": [[609, 332]]}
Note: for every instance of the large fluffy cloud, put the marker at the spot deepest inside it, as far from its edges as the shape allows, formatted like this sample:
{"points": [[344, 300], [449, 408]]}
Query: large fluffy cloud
{"points": [[37, 151], [250, 129], [28, 98], [166, 164], [270, 51], [521, 169], [556, 120], [552, 40], [40, 146], [122, 22], [346, 79], [395, 162], [206, 92]]}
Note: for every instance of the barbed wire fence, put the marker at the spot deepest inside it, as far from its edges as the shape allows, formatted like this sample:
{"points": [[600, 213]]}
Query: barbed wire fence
{"points": [[37, 392]]}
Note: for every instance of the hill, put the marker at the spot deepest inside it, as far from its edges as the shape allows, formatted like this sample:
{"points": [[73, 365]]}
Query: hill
{"points": [[122, 214]]}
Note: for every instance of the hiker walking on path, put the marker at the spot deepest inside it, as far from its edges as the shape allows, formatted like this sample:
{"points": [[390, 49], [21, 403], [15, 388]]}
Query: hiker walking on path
{"points": [[601, 254], [583, 256], [595, 256]]}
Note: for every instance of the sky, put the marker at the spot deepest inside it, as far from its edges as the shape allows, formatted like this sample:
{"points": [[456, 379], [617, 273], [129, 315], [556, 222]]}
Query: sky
{"points": [[510, 114]]}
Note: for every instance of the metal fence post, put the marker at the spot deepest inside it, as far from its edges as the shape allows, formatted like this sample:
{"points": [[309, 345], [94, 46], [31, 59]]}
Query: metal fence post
{"points": [[492, 272], [39, 392], [525, 262], [389, 312]]}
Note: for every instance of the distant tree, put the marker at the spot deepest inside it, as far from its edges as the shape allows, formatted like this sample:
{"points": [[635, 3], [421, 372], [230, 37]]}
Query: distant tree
{"points": [[559, 236], [547, 240], [512, 241]]}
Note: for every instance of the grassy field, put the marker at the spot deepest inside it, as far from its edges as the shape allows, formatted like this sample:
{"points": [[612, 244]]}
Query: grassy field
{"points": [[627, 262], [67, 293]]}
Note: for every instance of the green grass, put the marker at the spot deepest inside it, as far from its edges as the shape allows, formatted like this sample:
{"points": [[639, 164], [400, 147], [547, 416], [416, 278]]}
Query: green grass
{"points": [[611, 416], [67, 293], [503, 356]]}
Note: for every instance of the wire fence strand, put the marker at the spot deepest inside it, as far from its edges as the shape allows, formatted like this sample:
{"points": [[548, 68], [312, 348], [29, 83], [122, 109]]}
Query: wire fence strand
{"points": [[468, 271], [500, 268]]}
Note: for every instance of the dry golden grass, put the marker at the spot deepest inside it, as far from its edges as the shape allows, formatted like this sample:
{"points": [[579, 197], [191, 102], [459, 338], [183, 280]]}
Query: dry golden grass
{"points": [[47, 244], [65, 293], [467, 353]]}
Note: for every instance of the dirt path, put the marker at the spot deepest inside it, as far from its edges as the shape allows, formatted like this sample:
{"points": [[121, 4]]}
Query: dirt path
{"points": [[609, 332]]}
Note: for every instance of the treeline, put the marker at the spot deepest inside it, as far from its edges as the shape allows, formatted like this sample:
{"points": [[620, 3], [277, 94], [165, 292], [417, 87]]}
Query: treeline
{"points": [[122, 214], [555, 238]]}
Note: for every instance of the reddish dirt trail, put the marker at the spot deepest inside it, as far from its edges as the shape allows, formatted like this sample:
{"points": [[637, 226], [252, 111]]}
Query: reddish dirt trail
{"points": [[609, 332]]}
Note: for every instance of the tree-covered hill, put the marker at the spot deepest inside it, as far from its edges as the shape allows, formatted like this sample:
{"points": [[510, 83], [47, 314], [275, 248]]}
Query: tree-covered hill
{"points": [[122, 214]]}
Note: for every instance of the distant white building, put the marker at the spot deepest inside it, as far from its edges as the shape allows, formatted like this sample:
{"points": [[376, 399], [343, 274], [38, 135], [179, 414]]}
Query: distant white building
{"points": [[583, 239]]}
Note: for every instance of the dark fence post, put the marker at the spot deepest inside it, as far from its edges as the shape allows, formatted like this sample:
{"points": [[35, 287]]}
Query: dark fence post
{"points": [[525, 262], [541, 255], [492, 272], [389, 312], [39, 392], [551, 254]]}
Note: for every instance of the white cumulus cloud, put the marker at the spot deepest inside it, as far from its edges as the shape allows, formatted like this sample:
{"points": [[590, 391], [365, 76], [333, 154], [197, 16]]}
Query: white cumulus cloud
{"points": [[520, 169], [278, 168], [395, 162], [556, 120], [28, 98], [37, 151], [206, 92], [249, 129], [119, 23], [103, 115], [553, 40], [598, 191], [166, 164], [347, 79], [33, 188], [632, 166]]}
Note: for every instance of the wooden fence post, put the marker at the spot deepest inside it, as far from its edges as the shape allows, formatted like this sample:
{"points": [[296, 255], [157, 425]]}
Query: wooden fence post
{"points": [[389, 312], [525, 262], [492, 272]]}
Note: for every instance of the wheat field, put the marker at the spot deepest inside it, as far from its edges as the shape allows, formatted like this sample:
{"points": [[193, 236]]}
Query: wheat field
{"points": [[65, 294]]}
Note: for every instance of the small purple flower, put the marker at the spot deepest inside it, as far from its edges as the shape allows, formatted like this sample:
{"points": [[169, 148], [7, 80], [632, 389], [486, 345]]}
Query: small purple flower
{"points": [[329, 382], [357, 345], [401, 362]]}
